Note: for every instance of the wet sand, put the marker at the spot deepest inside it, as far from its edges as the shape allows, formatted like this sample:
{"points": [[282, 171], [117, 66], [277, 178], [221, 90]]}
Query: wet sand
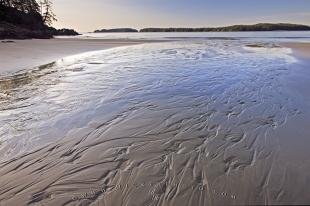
{"points": [[294, 137], [26, 54], [237, 147], [300, 49]]}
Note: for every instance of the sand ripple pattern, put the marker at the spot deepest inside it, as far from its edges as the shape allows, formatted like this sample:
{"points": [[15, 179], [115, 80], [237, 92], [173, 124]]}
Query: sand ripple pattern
{"points": [[180, 123]]}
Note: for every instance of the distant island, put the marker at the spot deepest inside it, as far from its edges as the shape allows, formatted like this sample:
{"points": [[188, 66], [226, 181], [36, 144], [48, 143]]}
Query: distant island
{"points": [[118, 30], [236, 28]]}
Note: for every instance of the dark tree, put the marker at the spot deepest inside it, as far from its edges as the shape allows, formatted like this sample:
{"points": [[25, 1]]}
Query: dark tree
{"points": [[27, 6], [7, 3], [23, 19], [31, 6], [47, 12]]}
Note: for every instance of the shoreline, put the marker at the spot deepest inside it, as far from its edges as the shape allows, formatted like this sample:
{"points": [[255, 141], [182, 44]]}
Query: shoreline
{"points": [[17, 55], [300, 49]]}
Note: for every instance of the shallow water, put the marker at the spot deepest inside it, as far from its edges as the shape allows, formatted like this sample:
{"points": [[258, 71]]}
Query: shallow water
{"points": [[183, 123], [301, 36]]}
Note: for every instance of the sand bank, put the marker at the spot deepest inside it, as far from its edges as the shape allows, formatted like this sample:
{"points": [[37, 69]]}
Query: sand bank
{"points": [[145, 136], [152, 129], [24, 54], [300, 49]]}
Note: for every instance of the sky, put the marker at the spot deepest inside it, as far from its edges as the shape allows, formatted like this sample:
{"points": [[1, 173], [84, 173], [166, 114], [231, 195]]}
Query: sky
{"points": [[89, 15]]}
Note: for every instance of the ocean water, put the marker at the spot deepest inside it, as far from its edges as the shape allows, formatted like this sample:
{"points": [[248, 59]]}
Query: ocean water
{"points": [[178, 116], [301, 36]]}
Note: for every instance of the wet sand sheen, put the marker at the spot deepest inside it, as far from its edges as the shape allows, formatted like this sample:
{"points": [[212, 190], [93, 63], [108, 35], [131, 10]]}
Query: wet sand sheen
{"points": [[301, 49], [26, 54], [181, 123]]}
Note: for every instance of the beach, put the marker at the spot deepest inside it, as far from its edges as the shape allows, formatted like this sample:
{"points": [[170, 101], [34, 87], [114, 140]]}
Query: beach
{"points": [[187, 122], [300, 49], [18, 55]]}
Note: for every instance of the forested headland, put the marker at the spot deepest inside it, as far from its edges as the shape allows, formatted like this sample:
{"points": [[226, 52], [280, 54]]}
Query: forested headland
{"points": [[23, 19], [236, 28]]}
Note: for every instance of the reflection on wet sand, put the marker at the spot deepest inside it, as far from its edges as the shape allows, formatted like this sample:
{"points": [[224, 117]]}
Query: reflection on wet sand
{"points": [[20, 79], [181, 123]]}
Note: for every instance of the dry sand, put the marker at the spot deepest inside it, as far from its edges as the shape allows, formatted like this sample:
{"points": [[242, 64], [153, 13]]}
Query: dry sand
{"points": [[26, 54]]}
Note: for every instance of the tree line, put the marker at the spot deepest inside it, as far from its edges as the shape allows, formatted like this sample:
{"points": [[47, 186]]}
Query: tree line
{"points": [[42, 7], [236, 28]]}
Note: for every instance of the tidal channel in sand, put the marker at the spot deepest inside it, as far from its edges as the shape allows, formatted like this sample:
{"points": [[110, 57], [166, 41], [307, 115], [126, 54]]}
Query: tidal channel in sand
{"points": [[173, 123]]}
